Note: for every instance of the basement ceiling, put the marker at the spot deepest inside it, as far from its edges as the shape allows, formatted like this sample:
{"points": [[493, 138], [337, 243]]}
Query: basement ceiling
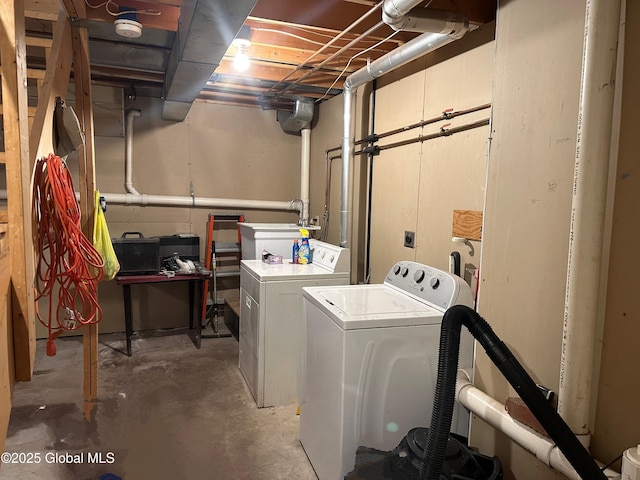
{"points": [[299, 48]]}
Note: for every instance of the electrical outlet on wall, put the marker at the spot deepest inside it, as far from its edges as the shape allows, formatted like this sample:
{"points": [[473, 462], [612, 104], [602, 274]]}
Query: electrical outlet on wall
{"points": [[409, 239], [315, 220]]}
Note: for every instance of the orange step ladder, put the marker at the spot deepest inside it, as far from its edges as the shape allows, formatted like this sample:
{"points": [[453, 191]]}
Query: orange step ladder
{"points": [[210, 311]]}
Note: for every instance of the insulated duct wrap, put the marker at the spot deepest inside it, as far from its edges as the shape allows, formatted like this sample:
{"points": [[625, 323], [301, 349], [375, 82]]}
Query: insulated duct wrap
{"points": [[301, 117]]}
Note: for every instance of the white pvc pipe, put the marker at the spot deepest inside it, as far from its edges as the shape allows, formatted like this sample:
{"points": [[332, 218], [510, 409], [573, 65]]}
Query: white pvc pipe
{"points": [[402, 55], [588, 208], [494, 413], [201, 202], [133, 197], [305, 159], [348, 144], [128, 154]]}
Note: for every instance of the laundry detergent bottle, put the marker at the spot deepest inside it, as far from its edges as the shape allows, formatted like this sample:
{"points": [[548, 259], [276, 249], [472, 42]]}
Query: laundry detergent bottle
{"points": [[304, 252]]}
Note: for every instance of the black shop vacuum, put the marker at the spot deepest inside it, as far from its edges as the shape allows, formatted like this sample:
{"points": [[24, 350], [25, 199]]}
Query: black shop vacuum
{"points": [[405, 461], [435, 453]]}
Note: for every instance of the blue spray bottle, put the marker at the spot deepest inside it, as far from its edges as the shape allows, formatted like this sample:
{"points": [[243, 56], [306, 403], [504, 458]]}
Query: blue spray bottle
{"points": [[304, 252]]}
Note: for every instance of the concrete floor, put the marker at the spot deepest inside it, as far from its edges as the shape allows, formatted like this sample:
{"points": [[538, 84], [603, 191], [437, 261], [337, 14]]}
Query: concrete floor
{"points": [[169, 412]]}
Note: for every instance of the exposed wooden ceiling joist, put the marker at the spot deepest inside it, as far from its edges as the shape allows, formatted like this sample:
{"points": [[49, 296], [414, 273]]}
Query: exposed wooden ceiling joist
{"points": [[285, 34]]}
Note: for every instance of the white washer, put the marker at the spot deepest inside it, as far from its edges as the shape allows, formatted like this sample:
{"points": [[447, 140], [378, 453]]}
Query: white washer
{"points": [[272, 325], [372, 357]]}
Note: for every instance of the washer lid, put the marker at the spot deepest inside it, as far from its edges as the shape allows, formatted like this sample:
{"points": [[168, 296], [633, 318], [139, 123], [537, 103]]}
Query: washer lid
{"points": [[371, 306]]}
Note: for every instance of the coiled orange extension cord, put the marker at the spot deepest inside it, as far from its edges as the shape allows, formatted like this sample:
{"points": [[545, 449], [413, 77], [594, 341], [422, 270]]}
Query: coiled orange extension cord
{"points": [[67, 264]]}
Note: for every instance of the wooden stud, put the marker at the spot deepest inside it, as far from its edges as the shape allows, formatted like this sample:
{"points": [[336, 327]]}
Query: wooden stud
{"points": [[86, 171], [39, 42], [31, 111], [7, 368], [18, 175], [54, 85], [32, 73]]}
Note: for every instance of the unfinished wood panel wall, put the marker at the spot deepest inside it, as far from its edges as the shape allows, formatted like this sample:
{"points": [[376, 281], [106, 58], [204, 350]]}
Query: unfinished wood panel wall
{"points": [[17, 309], [18, 176], [7, 368]]}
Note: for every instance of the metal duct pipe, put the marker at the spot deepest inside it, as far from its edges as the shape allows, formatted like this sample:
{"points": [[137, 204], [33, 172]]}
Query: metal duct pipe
{"points": [[394, 10], [586, 239], [128, 154], [423, 20], [402, 55], [301, 117]]}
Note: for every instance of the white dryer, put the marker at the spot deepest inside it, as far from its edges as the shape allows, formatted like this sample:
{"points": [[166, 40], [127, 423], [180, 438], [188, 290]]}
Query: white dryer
{"points": [[371, 363], [272, 325]]}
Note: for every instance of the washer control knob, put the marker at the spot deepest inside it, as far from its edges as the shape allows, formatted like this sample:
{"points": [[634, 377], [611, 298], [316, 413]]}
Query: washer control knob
{"points": [[434, 282], [419, 276], [396, 270], [405, 272], [332, 258]]}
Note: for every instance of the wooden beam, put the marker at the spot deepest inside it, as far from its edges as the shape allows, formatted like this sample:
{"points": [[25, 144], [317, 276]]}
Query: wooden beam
{"points": [[54, 85], [18, 177], [41, 9], [86, 174], [259, 70], [35, 73], [75, 8], [39, 42], [31, 111]]}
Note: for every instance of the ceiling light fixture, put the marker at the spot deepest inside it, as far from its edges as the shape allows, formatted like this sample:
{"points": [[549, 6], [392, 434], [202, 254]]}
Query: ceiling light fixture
{"points": [[242, 41]]}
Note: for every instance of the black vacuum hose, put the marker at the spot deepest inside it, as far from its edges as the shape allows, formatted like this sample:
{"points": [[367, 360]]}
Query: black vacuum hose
{"points": [[444, 400]]}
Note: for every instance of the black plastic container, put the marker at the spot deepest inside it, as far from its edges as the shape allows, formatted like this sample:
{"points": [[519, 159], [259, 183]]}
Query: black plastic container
{"points": [[136, 254], [186, 246]]}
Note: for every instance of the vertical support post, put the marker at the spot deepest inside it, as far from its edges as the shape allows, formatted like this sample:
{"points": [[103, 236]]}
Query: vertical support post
{"points": [[16, 128], [86, 170]]}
